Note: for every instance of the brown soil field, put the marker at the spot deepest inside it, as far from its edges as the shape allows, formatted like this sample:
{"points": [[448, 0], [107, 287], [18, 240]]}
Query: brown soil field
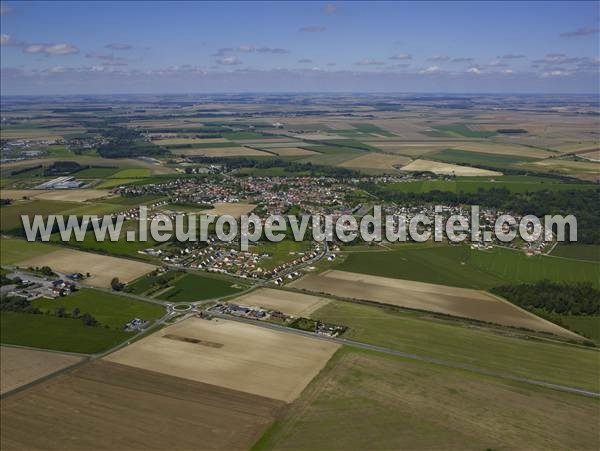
{"points": [[221, 152], [231, 209], [446, 168], [174, 141], [291, 151], [232, 355], [296, 304], [461, 302], [20, 366], [18, 194], [104, 405], [376, 161], [371, 401], [101, 267]]}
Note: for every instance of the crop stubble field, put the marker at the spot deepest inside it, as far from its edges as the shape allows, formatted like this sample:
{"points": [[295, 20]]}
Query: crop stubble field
{"points": [[297, 304], [232, 355], [105, 405], [20, 366], [102, 268]]}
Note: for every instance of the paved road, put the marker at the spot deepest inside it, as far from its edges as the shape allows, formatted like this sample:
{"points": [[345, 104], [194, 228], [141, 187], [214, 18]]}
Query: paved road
{"points": [[420, 358]]}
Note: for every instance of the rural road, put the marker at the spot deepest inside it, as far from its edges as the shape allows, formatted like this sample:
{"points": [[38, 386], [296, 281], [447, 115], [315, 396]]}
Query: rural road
{"points": [[446, 363]]}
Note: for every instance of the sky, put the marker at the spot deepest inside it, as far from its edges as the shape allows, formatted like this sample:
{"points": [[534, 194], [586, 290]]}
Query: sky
{"points": [[220, 47]]}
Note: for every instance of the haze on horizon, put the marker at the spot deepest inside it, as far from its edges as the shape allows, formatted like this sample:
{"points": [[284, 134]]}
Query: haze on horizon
{"points": [[209, 47]]}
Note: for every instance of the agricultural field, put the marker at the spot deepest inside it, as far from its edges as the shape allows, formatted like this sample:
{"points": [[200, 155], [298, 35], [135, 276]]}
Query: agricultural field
{"points": [[292, 303], [456, 156], [196, 287], [460, 266], [116, 405], [513, 183], [589, 252], [21, 366], [462, 130], [376, 161], [10, 216], [108, 309], [361, 397], [102, 268], [232, 355], [503, 149], [60, 334], [459, 302], [13, 250], [182, 140], [447, 169], [71, 195], [132, 173], [515, 352], [290, 151]]}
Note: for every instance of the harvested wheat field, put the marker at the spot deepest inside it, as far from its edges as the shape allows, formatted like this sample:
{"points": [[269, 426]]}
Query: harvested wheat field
{"points": [[103, 405], [102, 268], [461, 302], [297, 304], [222, 152], [378, 161], [229, 208], [20, 366], [447, 169], [18, 194], [291, 151], [232, 355]]}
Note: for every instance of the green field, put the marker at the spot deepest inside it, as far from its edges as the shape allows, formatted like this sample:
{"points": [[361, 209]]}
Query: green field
{"points": [[371, 129], [121, 247], [111, 183], [97, 172], [454, 341], [131, 173], [366, 400], [194, 287], [14, 251], [476, 158], [462, 130], [515, 184], [588, 326], [10, 216], [460, 266], [109, 309], [590, 252], [61, 334]]}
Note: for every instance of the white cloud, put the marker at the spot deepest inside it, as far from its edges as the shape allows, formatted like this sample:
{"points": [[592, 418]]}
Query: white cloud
{"points": [[369, 62], [401, 56], [474, 71], [5, 39], [51, 49], [585, 31], [305, 60], [229, 61], [312, 29], [557, 73], [431, 70], [118, 46], [439, 58]]}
